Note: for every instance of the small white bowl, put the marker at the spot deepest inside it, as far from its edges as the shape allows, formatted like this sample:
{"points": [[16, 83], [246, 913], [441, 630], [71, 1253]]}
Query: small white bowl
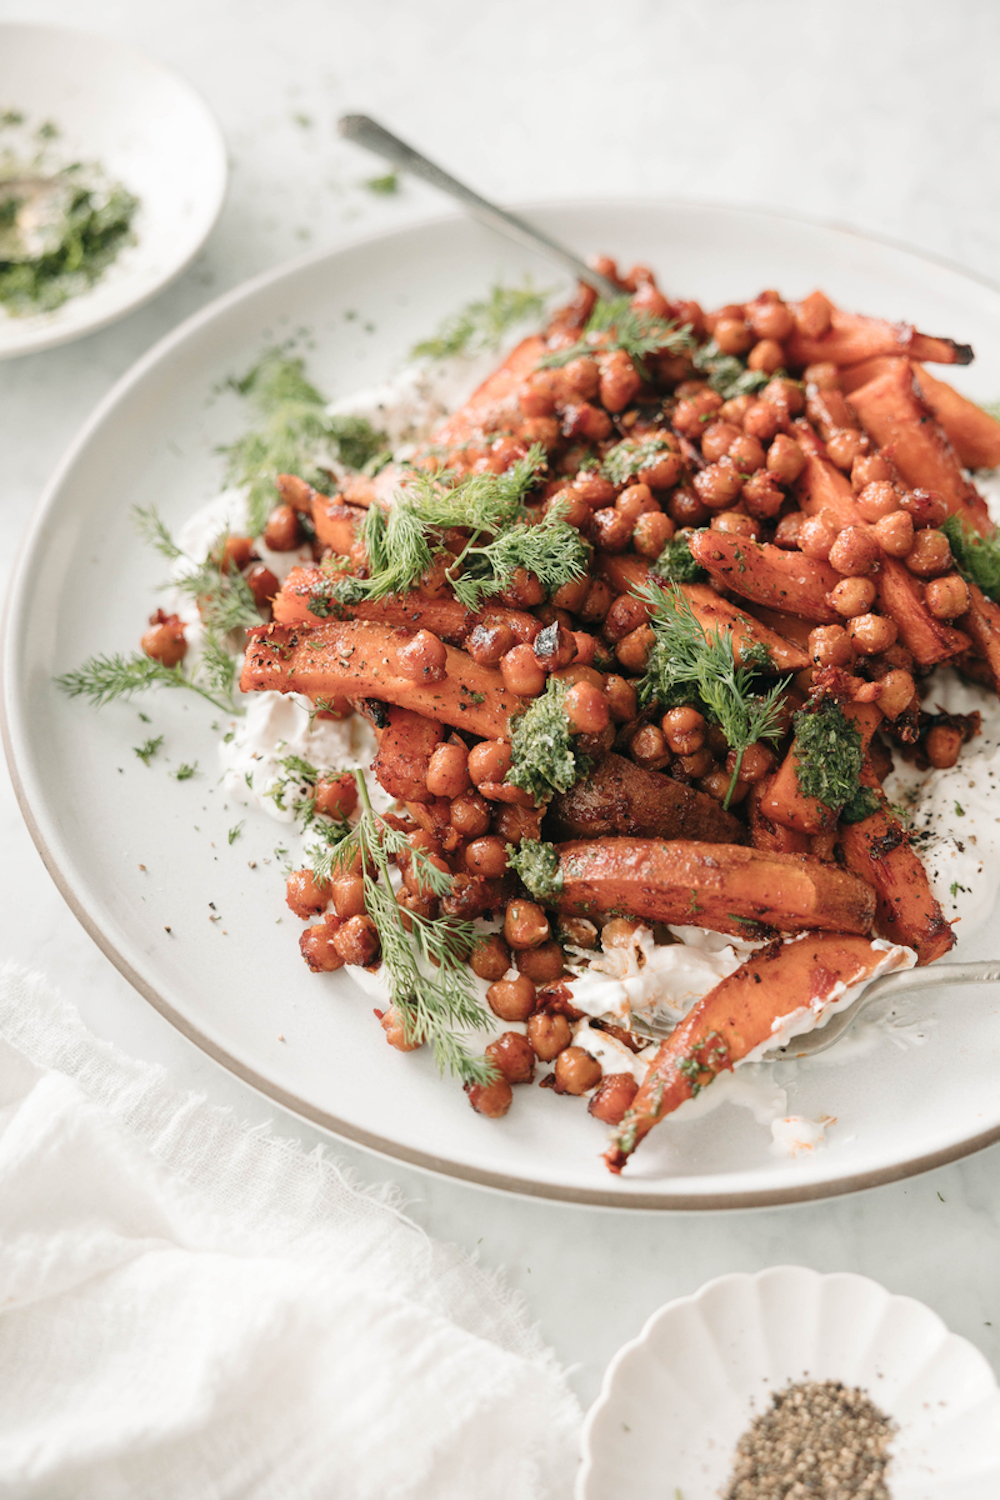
{"points": [[146, 128], [676, 1399]]}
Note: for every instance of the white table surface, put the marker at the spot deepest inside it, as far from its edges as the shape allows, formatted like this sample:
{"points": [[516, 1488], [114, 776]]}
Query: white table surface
{"points": [[880, 114]]}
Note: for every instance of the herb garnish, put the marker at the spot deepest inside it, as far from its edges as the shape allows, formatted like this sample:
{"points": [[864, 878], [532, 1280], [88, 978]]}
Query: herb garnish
{"points": [[482, 324], [615, 324], [689, 664], [861, 804], [102, 679], [383, 186], [146, 751], [537, 864], [627, 460], [727, 374], [184, 772], [828, 754], [541, 742], [977, 557], [676, 564]]}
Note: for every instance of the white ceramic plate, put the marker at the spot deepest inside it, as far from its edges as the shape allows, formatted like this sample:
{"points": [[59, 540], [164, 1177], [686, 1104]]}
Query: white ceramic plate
{"points": [[675, 1400], [85, 584], [149, 130]]}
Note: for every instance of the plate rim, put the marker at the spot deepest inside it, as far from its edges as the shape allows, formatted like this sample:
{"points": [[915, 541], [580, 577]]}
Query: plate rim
{"points": [[52, 337], [638, 1199]]}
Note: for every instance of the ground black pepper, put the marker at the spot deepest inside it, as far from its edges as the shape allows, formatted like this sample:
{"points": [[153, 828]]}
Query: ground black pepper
{"points": [[818, 1440]]}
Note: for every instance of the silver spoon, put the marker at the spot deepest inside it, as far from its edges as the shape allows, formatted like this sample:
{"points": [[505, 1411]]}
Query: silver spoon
{"points": [[374, 137]]}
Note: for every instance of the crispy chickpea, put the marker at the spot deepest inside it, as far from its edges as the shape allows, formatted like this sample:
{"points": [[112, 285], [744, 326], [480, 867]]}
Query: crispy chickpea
{"points": [[303, 895], [490, 1099], [620, 381], [621, 699], [613, 1098], [424, 659], [845, 445], [717, 784], [816, 537], [757, 762], [871, 634], [733, 336], [489, 761], [927, 507], [786, 533], [318, 947], [785, 459], [869, 468], [586, 421], [735, 409], [852, 596], [282, 532], [635, 501], [488, 642], [394, 1027], [524, 591], [683, 729], [598, 600], [766, 355], [697, 765], [895, 692], [487, 856], [428, 907], [685, 509], [611, 531], [357, 940], [513, 1056], [947, 597], [587, 708], [930, 554], [633, 651], [513, 823], [521, 673], [262, 584], [537, 396], [718, 485], [762, 497], [690, 410], [582, 377], [895, 533], [336, 796], [855, 552], [490, 958], [570, 596], [548, 1035], [717, 439], [648, 747], [525, 924], [736, 523], [553, 647], [652, 533], [943, 745], [619, 933], [415, 876], [761, 420], [664, 472], [448, 771], [578, 932], [541, 965], [237, 552], [769, 317], [878, 499], [576, 1071], [747, 453], [512, 999], [348, 894], [594, 490], [830, 646], [470, 815], [786, 395], [165, 641]]}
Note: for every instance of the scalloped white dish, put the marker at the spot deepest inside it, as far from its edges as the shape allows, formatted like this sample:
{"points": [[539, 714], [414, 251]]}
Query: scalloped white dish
{"points": [[140, 856], [148, 129], [675, 1400]]}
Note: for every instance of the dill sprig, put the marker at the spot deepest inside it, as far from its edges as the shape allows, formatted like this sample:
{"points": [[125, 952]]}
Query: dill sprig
{"points": [[103, 679], [616, 324], [541, 742], [727, 374], [977, 557], [429, 979], [294, 435], [482, 324], [148, 749], [691, 664], [676, 564]]}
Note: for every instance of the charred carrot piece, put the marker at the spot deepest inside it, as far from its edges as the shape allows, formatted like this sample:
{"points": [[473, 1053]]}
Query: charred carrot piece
{"points": [[821, 489], [496, 399], [982, 623], [783, 803], [972, 432], [739, 1015], [878, 850], [773, 838], [929, 639], [727, 887], [852, 338], [356, 659], [768, 575], [336, 523]]}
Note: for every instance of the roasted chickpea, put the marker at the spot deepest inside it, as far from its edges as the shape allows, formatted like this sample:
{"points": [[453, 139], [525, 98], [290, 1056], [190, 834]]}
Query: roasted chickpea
{"points": [[736, 523], [619, 933], [424, 659], [895, 692], [582, 377], [717, 439], [652, 533], [576, 1071], [237, 552], [336, 796], [762, 496], [488, 642], [785, 459], [762, 420], [927, 507], [611, 531], [756, 763], [587, 422], [685, 509], [587, 708], [490, 1099], [613, 1098], [448, 771], [786, 395], [930, 554], [786, 533], [664, 472], [845, 445], [869, 468], [947, 597], [262, 584], [303, 895], [621, 699], [689, 412], [766, 355], [548, 1035], [513, 1056], [318, 946], [769, 317], [490, 958], [415, 873], [626, 614], [735, 409], [852, 596], [553, 647], [598, 600], [526, 925], [878, 499], [717, 783], [633, 651], [684, 730], [697, 765], [855, 552], [357, 941], [747, 453], [577, 932], [718, 485], [648, 747], [635, 501], [521, 673], [165, 641], [524, 591], [282, 532], [512, 999], [895, 533], [830, 646], [394, 1026], [541, 965], [348, 894], [871, 634], [489, 761], [816, 537], [733, 336], [570, 596], [470, 815], [823, 376], [943, 745], [620, 381], [487, 857]]}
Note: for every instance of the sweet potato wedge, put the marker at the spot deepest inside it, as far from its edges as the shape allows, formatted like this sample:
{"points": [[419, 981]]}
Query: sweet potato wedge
{"points": [[406, 742], [727, 887], [894, 414], [739, 1015], [900, 596], [878, 850], [783, 803], [852, 338], [357, 659], [768, 575], [972, 432], [618, 797]]}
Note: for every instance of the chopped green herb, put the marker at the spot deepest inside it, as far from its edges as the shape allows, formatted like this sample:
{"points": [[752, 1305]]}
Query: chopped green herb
{"points": [[538, 866], [955, 887], [977, 557], [615, 324], [828, 754], [383, 186], [482, 324], [541, 742], [184, 772], [235, 832], [726, 374], [627, 460], [146, 751], [676, 564], [959, 810], [861, 804]]}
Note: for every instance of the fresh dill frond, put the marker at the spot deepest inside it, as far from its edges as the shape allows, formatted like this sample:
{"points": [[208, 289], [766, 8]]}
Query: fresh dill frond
{"points": [[383, 186], [615, 324], [103, 679], [224, 600], [218, 667], [552, 550], [184, 772], [541, 742], [727, 374], [235, 831], [146, 751], [977, 557], [482, 324], [152, 529], [676, 564], [689, 664]]}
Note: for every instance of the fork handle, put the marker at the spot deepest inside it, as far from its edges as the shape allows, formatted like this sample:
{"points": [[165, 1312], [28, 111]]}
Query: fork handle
{"points": [[983, 971], [366, 132]]}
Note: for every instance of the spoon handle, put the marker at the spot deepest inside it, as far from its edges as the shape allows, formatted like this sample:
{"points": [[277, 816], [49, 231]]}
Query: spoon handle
{"points": [[366, 132]]}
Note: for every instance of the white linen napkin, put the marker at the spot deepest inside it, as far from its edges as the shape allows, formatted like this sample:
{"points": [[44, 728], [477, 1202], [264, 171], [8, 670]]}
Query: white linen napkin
{"points": [[190, 1308]]}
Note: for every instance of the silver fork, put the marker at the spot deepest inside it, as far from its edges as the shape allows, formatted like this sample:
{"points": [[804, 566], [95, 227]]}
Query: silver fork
{"points": [[890, 986]]}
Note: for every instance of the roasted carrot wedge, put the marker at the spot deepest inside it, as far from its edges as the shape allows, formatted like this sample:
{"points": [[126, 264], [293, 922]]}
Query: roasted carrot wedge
{"points": [[768, 575], [982, 623], [727, 887], [738, 1016], [901, 598], [821, 488], [783, 802], [406, 742], [491, 405], [852, 338], [355, 659], [972, 432]]}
